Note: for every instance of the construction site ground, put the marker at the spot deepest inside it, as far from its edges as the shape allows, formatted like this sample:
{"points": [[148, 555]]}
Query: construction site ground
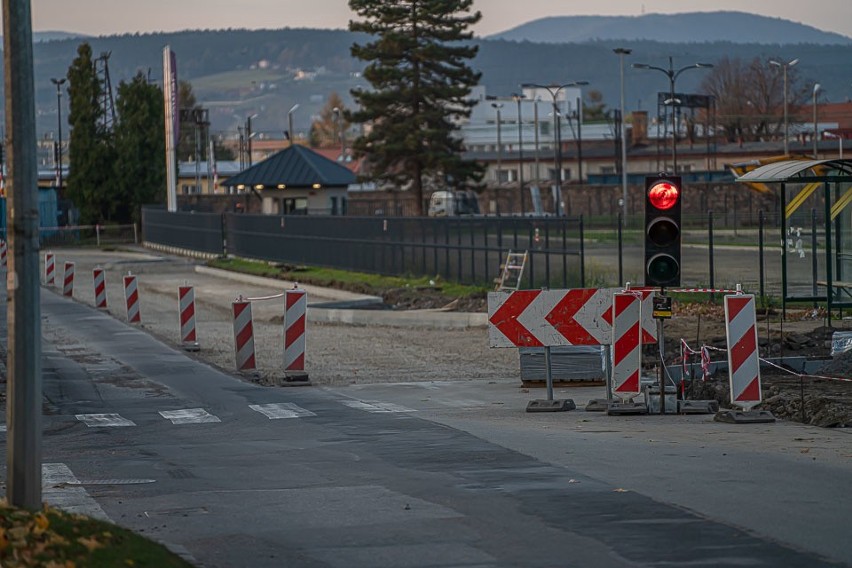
{"points": [[344, 354]]}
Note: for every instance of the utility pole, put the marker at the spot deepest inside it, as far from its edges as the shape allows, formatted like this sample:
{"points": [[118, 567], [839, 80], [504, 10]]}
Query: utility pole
{"points": [[24, 393]]}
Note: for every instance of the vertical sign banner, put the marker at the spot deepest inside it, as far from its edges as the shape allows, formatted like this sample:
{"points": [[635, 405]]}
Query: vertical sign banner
{"points": [[186, 313], [100, 287], [743, 358], [627, 345], [170, 100], [294, 329]]}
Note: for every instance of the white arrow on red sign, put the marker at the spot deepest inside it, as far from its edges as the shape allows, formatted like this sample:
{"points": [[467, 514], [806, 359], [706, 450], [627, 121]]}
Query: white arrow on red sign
{"points": [[550, 318]]}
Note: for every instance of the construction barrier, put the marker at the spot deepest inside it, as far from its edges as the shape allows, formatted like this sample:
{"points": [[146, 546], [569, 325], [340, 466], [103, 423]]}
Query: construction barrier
{"points": [[627, 345], [296, 302], [131, 299], [3, 253], [49, 269], [243, 336], [186, 314], [100, 288], [68, 280], [743, 358]]}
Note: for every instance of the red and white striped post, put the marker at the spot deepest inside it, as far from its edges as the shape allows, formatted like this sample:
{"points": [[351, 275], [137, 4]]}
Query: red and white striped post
{"points": [[3, 253], [68, 280], [100, 288], [243, 336], [296, 304], [131, 299], [626, 345], [186, 313], [49, 269], [743, 358]]}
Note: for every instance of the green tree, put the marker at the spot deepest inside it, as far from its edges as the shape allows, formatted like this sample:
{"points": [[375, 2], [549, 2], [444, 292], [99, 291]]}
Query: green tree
{"points": [[327, 128], [140, 165], [90, 151], [417, 65]]}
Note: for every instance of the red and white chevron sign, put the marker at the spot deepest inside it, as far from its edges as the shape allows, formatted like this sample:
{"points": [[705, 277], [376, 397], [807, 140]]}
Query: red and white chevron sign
{"points": [[743, 358], [550, 318]]}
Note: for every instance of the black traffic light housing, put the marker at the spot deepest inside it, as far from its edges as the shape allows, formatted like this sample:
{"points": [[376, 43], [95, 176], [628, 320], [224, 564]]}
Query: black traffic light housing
{"points": [[663, 197]]}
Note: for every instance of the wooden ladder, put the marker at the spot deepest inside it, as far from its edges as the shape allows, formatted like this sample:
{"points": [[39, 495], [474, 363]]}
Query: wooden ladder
{"points": [[512, 271]]}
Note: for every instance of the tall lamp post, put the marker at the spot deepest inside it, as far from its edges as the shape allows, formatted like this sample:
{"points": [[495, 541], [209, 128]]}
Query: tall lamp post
{"points": [[59, 82], [249, 135], [554, 91], [497, 107], [816, 134], [621, 52], [673, 75], [785, 66], [290, 132], [518, 97]]}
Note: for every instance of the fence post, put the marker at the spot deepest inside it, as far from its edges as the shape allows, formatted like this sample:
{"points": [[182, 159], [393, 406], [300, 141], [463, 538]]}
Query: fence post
{"points": [[814, 266], [582, 255], [97, 234], [710, 240], [135, 235], [620, 249], [760, 222]]}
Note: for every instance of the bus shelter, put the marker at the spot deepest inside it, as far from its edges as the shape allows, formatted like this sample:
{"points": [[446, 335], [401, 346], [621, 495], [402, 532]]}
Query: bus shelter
{"points": [[825, 186]]}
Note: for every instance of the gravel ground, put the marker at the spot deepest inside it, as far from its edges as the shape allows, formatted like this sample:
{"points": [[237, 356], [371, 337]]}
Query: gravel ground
{"points": [[336, 354]]}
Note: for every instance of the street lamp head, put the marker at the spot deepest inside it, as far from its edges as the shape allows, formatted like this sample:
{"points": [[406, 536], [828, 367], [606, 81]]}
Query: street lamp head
{"points": [[703, 65], [58, 82], [816, 88], [518, 96], [498, 106], [791, 63], [578, 83], [293, 108], [622, 51], [641, 66]]}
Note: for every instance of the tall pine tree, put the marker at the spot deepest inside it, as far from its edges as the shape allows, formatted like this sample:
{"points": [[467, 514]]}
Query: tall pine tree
{"points": [[140, 165], [418, 67], [90, 152]]}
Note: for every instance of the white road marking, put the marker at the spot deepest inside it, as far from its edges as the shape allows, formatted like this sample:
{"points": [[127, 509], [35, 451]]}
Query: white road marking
{"points": [[62, 490], [104, 420], [189, 416], [376, 407], [279, 410]]}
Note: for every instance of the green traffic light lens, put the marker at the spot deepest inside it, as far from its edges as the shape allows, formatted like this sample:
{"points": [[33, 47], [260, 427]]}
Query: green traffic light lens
{"points": [[663, 232], [663, 268]]}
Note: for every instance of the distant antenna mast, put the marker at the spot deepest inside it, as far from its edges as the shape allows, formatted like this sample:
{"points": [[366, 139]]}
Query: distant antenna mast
{"points": [[105, 99]]}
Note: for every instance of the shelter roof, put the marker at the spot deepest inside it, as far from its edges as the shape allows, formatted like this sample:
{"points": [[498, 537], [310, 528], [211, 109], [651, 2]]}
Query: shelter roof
{"points": [[296, 166], [800, 171]]}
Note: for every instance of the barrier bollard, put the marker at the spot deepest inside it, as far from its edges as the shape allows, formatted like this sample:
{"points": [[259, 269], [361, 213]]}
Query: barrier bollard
{"points": [[131, 299], [68, 280], [243, 336], [99, 278], [3, 253], [296, 303], [186, 315], [49, 269]]}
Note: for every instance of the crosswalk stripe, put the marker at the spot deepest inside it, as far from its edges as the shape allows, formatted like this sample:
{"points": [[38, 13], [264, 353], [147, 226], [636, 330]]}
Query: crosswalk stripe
{"points": [[376, 407], [189, 416], [278, 410], [104, 420]]}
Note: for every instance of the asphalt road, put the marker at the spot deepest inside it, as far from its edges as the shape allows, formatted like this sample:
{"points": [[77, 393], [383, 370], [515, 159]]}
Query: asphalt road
{"points": [[424, 475]]}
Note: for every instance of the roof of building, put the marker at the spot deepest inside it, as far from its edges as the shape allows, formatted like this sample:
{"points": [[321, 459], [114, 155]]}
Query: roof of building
{"points": [[296, 166], [799, 171]]}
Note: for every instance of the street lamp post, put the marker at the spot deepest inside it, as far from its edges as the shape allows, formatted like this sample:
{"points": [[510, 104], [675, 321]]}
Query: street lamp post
{"points": [[497, 107], [517, 97], [785, 66], [816, 135], [290, 132], [554, 91], [673, 75], [248, 137], [621, 52], [59, 82]]}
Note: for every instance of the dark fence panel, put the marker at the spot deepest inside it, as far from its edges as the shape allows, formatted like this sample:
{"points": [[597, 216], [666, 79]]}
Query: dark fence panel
{"points": [[200, 232], [468, 250]]}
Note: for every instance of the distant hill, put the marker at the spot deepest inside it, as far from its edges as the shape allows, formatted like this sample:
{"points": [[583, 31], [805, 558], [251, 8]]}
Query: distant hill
{"points": [[693, 27], [55, 35]]}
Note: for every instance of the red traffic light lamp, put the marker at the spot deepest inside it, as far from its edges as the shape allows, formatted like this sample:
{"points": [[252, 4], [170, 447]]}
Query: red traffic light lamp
{"points": [[662, 230]]}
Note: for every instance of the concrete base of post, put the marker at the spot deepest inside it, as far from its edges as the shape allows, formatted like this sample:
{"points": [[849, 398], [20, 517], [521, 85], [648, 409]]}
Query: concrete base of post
{"points": [[744, 417], [618, 408], [551, 405], [597, 405], [191, 346], [697, 406], [300, 377]]}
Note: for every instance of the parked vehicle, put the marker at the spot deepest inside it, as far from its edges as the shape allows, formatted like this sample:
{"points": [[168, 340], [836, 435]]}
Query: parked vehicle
{"points": [[451, 203]]}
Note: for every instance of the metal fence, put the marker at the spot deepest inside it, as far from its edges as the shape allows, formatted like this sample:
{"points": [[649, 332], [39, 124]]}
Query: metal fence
{"points": [[202, 232]]}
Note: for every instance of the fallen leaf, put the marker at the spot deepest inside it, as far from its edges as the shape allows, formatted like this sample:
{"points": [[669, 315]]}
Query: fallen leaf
{"points": [[620, 490], [90, 543], [573, 481], [804, 450]]}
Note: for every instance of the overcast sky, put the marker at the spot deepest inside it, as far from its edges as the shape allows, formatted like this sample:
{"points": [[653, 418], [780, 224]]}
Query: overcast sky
{"points": [[104, 17]]}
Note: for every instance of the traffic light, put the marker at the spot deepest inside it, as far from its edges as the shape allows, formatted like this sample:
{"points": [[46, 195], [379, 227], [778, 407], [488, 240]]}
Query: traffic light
{"points": [[663, 195]]}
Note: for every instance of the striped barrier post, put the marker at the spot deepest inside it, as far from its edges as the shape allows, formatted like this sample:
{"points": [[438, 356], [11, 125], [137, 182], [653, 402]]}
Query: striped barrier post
{"points": [[626, 345], [3, 253], [100, 287], [68, 280], [243, 336], [296, 303], [743, 358], [131, 299], [186, 314], [49, 269]]}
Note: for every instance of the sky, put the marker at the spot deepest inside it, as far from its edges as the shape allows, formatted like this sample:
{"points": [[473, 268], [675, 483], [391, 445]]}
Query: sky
{"points": [[106, 17]]}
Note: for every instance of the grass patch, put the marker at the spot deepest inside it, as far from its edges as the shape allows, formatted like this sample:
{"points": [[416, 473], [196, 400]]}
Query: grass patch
{"points": [[360, 282], [55, 539]]}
